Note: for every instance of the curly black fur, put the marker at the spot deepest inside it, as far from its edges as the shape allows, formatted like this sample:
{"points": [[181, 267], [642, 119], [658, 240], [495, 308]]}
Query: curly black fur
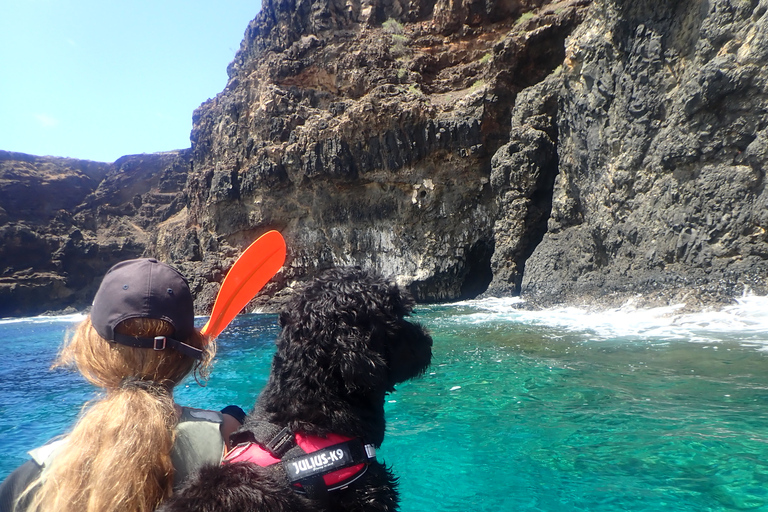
{"points": [[231, 487], [345, 343]]}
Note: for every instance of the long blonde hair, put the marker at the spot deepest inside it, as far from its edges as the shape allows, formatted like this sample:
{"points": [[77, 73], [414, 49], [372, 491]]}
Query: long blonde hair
{"points": [[118, 455]]}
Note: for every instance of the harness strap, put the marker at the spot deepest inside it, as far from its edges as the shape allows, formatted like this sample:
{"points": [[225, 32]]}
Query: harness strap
{"points": [[326, 460], [311, 465], [316, 489], [276, 440]]}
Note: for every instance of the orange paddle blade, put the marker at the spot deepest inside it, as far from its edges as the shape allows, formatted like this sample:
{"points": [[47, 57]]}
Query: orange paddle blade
{"points": [[257, 265]]}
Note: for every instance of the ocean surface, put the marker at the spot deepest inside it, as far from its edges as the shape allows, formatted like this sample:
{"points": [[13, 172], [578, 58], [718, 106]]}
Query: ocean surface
{"points": [[558, 410]]}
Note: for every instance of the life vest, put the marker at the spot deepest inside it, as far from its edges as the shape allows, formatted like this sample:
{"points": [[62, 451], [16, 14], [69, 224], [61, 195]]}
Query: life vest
{"points": [[197, 442], [312, 464]]}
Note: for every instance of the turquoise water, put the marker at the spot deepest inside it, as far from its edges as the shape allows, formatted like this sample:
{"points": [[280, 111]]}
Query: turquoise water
{"points": [[559, 410]]}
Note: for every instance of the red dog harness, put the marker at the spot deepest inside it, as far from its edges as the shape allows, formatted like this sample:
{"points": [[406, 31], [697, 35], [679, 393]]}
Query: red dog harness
{"points": [[312, 464]]}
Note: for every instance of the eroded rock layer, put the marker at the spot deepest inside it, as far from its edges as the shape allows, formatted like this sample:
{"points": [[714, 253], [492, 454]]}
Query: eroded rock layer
{"points": [[662, 156], [64, 222], [366, 133]]}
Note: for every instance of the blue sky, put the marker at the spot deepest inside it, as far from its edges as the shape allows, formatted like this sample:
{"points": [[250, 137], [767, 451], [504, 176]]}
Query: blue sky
{"points": [[99, 79]]}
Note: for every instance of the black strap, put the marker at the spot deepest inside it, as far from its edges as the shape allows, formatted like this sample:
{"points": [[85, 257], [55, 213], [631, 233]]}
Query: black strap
{"points": [[158, 343], [273, 438], [241, 437], [326, 460], [316, 489], [308, 469]]}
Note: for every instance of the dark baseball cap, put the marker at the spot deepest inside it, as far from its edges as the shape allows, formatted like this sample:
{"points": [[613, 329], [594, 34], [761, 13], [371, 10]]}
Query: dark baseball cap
{"points": [[145, 288]]}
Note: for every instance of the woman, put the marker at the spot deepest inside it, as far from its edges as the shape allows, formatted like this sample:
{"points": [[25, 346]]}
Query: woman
{"points": [[134, 444]]}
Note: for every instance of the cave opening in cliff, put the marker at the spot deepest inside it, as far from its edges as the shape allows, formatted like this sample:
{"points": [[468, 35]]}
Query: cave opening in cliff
{"points": [[479, 273]]}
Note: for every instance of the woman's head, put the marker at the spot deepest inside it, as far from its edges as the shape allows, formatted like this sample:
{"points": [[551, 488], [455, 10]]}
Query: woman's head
{"points": [[141, 326], [143, 288], [108, 364]]}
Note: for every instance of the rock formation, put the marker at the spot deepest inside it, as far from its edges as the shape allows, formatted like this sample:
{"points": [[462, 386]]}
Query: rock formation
{"points": [[662, 154], [64, 222], [365, 133], [568, 151]]}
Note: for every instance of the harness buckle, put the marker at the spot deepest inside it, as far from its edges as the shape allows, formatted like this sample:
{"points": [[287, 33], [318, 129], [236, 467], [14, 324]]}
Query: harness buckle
{"points": [[159, 339], [280, 443]]}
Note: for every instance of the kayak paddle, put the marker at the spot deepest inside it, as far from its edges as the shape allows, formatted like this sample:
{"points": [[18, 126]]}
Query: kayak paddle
{"points": [[257, 265]]}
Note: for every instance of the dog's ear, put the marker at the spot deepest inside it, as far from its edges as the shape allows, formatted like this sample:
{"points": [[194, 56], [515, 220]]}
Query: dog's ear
{"points": [[360, 362], [332, 348]]}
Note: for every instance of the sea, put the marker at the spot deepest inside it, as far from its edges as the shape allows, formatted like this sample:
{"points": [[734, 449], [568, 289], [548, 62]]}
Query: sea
{"points": [[554, 410]]}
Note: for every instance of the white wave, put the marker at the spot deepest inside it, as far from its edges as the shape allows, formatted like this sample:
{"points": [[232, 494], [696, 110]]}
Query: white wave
{"points": [[42, 319], [747, 320]]}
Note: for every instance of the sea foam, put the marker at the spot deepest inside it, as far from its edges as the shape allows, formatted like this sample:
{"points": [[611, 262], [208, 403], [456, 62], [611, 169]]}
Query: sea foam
{"points": [[43, 319], [746, 320]]}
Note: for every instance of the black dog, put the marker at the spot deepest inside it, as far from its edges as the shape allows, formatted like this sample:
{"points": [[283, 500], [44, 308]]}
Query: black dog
{"points": [[345, 343]]}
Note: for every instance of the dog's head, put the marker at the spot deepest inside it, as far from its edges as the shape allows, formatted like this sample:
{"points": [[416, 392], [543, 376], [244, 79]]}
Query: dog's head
{"points": [[347, 331]]}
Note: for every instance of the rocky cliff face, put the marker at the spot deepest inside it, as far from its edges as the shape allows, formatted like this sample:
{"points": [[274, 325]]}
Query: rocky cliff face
{"points": [[366, 132], [570, 151], [64, 222], [662, 156]]}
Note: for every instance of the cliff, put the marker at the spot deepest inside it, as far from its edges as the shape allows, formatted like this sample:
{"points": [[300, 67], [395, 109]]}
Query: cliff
{"points": [[662, 151], [568, 151], [365, 133], [64, 222]]}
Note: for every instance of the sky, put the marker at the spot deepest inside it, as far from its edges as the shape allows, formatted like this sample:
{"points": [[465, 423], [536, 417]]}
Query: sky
{"points": [[100, 79]]}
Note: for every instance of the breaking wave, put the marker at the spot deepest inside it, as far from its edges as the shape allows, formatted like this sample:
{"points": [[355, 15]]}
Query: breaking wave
{"points": [[747, 320]]}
